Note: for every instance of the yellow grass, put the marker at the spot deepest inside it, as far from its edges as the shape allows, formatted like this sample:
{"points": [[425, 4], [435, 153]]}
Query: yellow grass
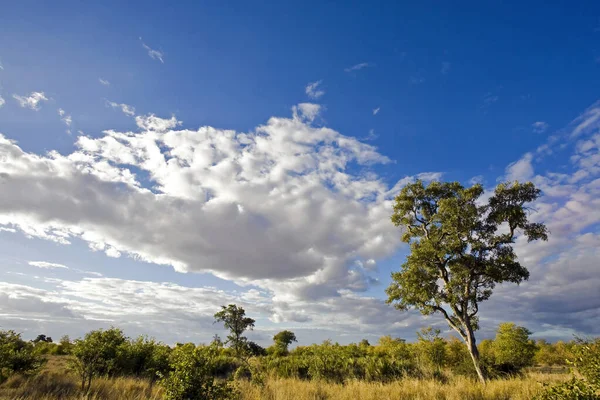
{"points": [[413, 389], [54, 383]]}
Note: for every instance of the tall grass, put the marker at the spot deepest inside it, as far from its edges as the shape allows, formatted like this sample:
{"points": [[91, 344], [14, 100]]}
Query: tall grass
{"points": [[457, 388], [55, 382]]}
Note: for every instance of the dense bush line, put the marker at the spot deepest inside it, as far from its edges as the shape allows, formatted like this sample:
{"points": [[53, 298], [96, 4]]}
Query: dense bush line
{"points": [[190, 371]]}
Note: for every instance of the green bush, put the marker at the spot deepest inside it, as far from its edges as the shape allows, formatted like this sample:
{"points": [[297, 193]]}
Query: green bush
{"points": [[192, 375], [586, 361], [17, 356], [99, 353]]}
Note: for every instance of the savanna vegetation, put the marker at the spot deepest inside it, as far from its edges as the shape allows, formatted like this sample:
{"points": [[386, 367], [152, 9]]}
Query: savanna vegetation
{"points": [[460, 249]]}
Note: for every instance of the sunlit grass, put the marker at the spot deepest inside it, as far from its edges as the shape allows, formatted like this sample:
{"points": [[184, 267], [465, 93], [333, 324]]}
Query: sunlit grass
{"points": [[55, 382]]}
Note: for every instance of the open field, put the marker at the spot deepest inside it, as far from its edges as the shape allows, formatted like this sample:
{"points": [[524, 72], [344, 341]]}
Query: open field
{"points": [[56, 382]]}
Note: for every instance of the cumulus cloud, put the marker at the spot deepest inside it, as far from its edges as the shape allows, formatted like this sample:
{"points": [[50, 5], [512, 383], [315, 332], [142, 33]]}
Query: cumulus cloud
{"points": [[540, 126], [154, 54], [104, 82], [290, 211], [357, 67], [46, 265], [275, 207], [125, 108], [32, 101], [313, 91]]}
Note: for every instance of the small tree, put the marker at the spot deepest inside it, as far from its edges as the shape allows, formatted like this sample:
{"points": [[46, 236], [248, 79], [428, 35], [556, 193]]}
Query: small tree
{"points": [[282, 341], [460, 248], [42, 338], [17, 355], [97, 354], [192, 375], [145, 358], [234, 319], [513, 350], [431, 347]]}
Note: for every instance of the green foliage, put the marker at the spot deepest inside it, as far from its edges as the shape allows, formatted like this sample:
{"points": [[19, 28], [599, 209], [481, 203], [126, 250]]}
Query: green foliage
{"points": [[17, 356], [192, 375], [512, 348], [144, 358], [586, 361], [458, 251], [336, 363], [42, 338], [65, 345], [282, 341], [552, 354], [574, 389], [431, 348], [234, 319], [97, 354]]}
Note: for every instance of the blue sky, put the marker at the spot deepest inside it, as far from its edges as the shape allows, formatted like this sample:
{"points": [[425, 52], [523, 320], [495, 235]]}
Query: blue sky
{"points": [[462, 93]]}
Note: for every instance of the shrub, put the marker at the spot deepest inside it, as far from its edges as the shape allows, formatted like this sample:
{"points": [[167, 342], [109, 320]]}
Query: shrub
{"points": [[587, 362], [192, 375], [17, 356], [97, 354]]}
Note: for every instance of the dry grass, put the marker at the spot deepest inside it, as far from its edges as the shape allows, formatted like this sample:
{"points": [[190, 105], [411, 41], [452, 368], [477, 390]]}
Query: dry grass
{"points": [[406, 389], [55, 383]]}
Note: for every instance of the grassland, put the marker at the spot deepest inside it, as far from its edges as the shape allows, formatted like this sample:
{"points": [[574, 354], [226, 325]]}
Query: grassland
{"points": [[56, 382]]}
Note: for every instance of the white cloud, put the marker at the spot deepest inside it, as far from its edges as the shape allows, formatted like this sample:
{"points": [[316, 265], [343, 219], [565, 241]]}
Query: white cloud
{"points": [[540, 126], [371, 136], [521, 170], [32, 101], [307, 111], [154, 54], [127, 109], [46, 265], [376, 110], [66, 118], [151, 122], [104, 82], [297, 232], [313, 91], [2, 101], [357, 67]]}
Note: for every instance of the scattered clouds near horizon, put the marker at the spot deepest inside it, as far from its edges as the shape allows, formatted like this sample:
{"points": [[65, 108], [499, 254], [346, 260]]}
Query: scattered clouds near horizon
{"points": [[32, 101], [154, 54], [376, 110], [313, 90], [125, 108], [357, 67], [104, 82], [540, 126]]}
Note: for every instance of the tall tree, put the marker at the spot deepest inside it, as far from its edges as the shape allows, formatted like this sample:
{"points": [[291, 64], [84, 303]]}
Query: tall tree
{"points": [[460, 248], [234, 318]]}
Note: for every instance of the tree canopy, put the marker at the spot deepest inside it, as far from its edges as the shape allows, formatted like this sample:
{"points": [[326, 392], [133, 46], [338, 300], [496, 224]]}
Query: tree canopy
{"points": [[461, 247]]}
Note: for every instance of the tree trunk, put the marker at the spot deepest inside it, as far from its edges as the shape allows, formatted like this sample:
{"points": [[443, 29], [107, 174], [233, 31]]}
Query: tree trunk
{"points": [[472, 346]]}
